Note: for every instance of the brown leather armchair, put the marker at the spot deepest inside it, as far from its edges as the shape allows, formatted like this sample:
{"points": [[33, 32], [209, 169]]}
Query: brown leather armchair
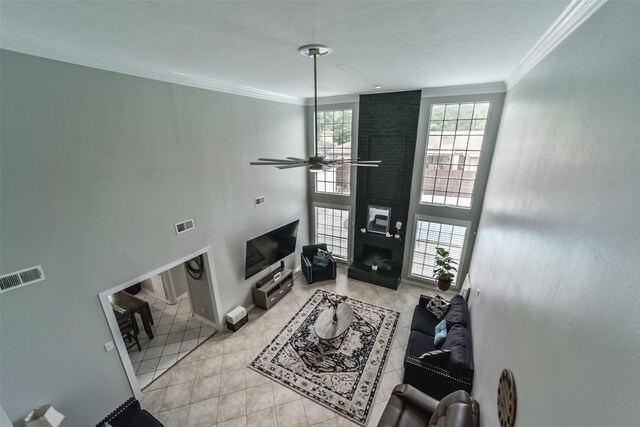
{"points": [[409, 407]]}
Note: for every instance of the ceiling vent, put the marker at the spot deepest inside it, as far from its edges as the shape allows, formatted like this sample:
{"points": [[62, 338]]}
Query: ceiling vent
{"points": [[187, 225], [20, 278]]}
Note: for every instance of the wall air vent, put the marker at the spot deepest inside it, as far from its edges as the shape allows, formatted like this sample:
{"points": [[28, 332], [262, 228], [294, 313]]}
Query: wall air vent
{"points": [[20, 278], [187, 225]]}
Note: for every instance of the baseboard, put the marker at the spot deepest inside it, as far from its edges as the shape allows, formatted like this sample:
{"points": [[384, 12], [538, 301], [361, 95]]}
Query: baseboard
{"points": [[433, 288], [158, 297], [207, 321], [164, 300]]}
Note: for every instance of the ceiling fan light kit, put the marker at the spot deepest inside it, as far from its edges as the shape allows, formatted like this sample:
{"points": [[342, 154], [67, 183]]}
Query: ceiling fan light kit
{"points": [[315, 163]]}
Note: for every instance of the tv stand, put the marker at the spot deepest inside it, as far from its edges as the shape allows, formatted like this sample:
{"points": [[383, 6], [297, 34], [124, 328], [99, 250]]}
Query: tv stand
{"points": [[272, 291], [266, 279]]}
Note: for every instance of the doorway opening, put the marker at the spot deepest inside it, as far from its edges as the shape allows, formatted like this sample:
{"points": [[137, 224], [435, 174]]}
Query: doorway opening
{"points": [[157, 319]]}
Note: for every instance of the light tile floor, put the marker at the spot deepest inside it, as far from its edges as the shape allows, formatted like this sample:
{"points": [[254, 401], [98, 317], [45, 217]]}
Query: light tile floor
{"points": [[176, 332], [213, 387]]}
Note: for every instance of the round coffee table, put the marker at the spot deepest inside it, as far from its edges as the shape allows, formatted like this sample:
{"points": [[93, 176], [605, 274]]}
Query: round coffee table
{"points": [[327, 330]]}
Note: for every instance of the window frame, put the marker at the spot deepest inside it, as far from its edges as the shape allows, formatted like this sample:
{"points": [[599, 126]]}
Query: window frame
{"points": [[347, 208], [445, 221], [315, 176], [447, 214], [452, 165]]}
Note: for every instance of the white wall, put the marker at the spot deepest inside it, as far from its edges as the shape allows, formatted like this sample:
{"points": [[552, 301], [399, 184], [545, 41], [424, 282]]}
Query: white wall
{"points": [[96, 168], [557, 254]]}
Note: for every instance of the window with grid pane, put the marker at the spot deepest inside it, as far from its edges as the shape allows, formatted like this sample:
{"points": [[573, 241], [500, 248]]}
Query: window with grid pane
{"points": [[332, 228], [456, 132], [334, 142], [431, 235]]}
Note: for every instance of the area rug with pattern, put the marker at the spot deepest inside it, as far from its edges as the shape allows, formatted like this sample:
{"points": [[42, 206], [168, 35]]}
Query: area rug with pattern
{"points": [[340, 374]]}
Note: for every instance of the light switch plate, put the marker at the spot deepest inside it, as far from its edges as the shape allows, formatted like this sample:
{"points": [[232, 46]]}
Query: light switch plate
{"points": [[109, 346]]}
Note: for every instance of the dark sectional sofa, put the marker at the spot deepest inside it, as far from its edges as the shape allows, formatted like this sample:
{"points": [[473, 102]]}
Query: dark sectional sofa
{"points": [[440, 374]]}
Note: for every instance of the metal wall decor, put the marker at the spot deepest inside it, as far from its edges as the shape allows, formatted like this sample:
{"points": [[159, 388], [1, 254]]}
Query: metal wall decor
{"points": [[506, 399]]}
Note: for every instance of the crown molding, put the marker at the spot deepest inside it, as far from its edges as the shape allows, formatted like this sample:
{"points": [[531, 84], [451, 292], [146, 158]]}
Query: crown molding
{"points": [[337, 99], [36, 46], [475, 89], [576, 13], [429, 92]]}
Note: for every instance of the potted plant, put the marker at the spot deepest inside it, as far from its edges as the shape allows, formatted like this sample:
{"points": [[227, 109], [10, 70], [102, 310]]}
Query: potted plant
{"points": [[444, 269]]}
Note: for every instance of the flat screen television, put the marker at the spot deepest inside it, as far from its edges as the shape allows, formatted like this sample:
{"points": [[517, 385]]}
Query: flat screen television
{"points": [[271, 247]]}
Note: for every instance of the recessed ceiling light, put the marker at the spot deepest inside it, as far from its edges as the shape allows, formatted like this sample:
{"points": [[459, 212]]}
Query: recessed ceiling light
{"points": [[378, 87]]}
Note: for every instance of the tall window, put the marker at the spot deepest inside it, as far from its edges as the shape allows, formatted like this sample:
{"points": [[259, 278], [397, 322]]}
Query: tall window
{"points": [[332, 228], [334, 142], [431, 235], [454, 143]]}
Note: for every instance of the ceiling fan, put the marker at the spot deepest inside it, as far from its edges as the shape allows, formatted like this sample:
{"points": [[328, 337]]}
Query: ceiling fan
{"points": [[315, 163]]}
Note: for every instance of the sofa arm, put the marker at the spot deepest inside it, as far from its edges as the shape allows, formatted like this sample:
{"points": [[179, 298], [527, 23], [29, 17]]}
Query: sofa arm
{"points": [[436, 380], [305, 266], [416, 398], [334, 266], [123, 414], [424, 300], [145, 419]]}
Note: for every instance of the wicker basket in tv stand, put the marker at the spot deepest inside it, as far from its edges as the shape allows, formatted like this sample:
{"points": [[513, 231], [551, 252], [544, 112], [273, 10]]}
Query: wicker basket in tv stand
{"points": [[271, 292]]}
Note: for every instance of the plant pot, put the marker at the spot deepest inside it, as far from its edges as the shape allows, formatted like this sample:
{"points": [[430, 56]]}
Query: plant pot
{"points": [[444, 284]]}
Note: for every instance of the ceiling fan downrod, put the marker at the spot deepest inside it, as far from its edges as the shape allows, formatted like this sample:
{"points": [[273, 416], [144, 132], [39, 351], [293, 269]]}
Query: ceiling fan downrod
{"points": [[315, 163]]}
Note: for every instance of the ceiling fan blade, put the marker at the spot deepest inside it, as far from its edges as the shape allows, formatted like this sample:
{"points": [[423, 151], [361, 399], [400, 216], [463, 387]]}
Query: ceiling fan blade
{"points": [[276, 160], [272, 163], [297, 165], [367, 165], [361, 161], [298, 159]]}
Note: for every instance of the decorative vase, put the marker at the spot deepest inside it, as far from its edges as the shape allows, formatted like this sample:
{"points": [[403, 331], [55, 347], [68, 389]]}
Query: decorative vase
{"points": [[334, 301]]}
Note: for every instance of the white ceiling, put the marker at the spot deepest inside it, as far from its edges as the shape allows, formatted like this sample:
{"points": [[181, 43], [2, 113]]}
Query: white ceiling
{"points": [[398, 45]]}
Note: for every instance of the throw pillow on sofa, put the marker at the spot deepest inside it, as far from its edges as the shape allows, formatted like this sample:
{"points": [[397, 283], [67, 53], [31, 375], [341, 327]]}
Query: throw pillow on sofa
{"points": [[438, 306], [321, 259], [441, 333], [458, 312]]}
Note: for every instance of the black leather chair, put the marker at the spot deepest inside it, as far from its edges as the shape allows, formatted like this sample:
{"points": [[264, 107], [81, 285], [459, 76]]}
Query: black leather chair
{"points": [[409, 407], [314, 273]]}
